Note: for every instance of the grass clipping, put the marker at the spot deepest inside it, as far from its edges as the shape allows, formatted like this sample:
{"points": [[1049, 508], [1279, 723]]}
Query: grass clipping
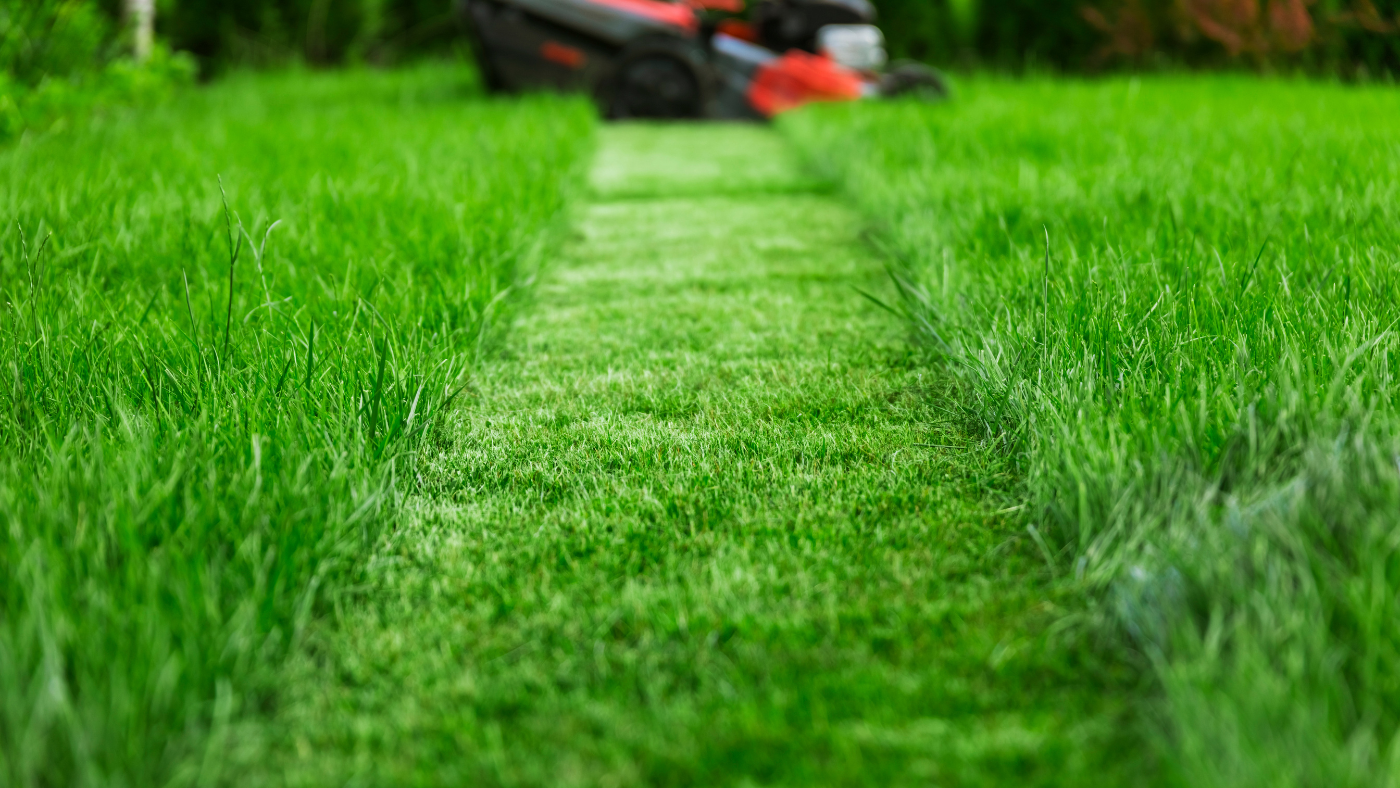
{"points": [[1173, 302]]}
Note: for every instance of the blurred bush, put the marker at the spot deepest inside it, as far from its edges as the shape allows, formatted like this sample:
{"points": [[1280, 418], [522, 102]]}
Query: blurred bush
{"points": [[1350, 37], [60, 57], [928, 30], [66, 38], [222, 33], [40, 38], [119, 82], [1353, 38]]}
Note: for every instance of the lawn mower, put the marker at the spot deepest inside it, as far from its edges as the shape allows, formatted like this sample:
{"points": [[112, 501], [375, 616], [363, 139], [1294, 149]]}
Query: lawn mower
{"points": [[690, 58]]}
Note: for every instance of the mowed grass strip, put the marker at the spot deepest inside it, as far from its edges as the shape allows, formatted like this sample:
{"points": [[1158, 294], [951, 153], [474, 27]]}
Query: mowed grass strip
{"points": [[700, 523], [1197, 390], [206, 419]]}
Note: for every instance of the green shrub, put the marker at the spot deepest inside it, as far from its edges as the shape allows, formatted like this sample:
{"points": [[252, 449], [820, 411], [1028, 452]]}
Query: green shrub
{"points": [[60, 58], [52, 38], [121, 82], [1003, 33], [320, 32], [926, 30]]}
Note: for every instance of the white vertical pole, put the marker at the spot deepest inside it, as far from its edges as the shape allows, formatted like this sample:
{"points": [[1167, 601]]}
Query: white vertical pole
{"points": [[141, 14]]}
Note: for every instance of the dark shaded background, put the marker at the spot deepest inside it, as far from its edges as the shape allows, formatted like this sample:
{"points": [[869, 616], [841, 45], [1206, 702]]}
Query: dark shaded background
{"points": [[1349, 38], [317, 32]]}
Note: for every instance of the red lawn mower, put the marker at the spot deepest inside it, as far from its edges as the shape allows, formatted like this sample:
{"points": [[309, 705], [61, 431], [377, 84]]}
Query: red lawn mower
{"points": [[691, 58]]}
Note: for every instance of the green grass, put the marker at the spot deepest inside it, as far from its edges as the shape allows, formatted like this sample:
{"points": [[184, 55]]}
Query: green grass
{"points": [[198, 454], [690, 529], [669, 502], [1197, 393]]}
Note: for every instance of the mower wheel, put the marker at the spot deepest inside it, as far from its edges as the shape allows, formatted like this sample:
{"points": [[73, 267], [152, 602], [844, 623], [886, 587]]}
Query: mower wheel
{"points": [[656, 78], [914, 80], [465, 13]]}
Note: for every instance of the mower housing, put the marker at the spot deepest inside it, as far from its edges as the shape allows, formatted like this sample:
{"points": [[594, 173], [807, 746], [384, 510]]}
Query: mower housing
{"points": [[698, 59]]}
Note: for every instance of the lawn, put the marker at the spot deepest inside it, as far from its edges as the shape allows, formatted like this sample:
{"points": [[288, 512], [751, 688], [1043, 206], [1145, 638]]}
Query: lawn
{"points": [[1171, 303], [212, 405], [351, 434], [695, 526]]}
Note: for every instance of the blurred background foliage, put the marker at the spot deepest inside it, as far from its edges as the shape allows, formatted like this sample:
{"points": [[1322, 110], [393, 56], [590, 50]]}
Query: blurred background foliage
{"points": [[58, 57], [1348, 38], [52, 37], [222, 33]]}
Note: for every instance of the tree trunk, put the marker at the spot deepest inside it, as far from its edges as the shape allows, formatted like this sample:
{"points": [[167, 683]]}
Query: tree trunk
{"points": [[141, 16]]}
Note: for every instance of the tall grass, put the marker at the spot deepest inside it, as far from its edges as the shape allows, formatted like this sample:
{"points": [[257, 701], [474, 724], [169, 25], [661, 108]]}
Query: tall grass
{"points": [[227, 327], [1199, 383]]}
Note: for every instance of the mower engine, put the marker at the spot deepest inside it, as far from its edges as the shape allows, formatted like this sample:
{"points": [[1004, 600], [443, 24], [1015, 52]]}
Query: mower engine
{"points": [[697, 59]]}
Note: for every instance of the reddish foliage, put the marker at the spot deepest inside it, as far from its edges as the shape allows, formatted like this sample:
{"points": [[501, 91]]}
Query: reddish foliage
{"points": [[1363, 14], [1130, 31], [1231, 23], [1239, 25], [1258, 28], [1291, 24]]}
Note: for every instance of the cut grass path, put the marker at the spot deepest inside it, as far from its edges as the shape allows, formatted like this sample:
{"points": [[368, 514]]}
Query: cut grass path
{"points": [[684, 533]]}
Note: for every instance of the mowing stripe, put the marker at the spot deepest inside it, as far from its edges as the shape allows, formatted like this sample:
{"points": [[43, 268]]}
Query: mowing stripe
{"points": [[699, 524]]}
